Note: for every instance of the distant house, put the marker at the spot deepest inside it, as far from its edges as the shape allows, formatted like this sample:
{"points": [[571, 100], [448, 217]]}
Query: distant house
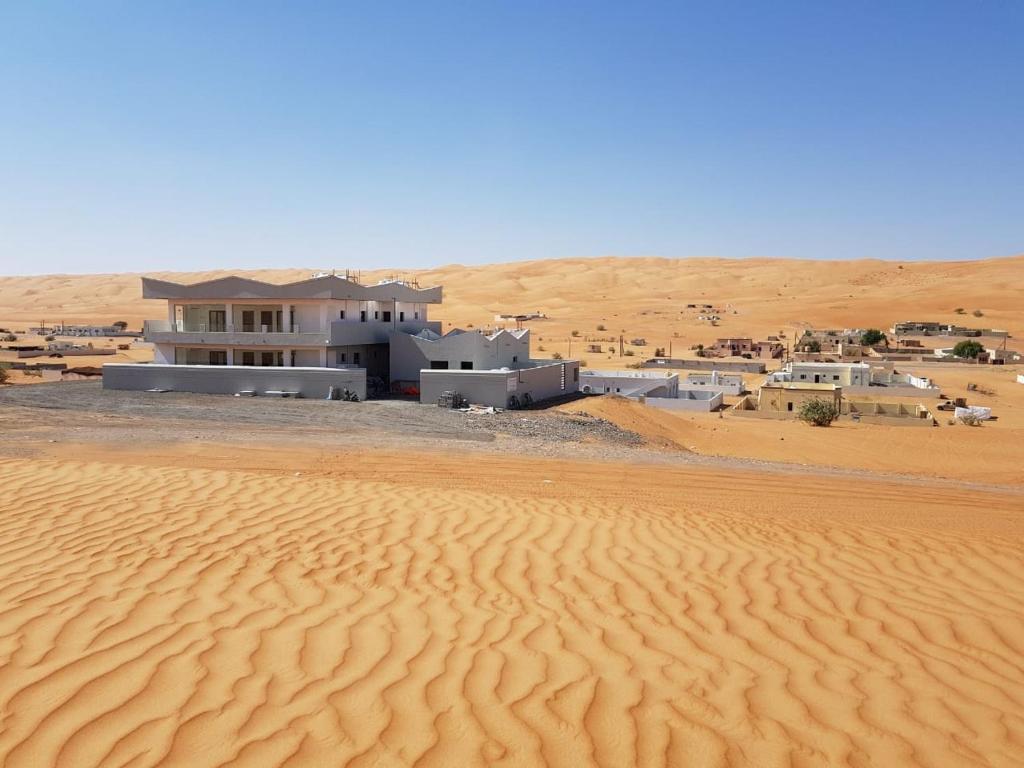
{"points": [[769, 350], [840, 374], [931, 328], [731, 347]]}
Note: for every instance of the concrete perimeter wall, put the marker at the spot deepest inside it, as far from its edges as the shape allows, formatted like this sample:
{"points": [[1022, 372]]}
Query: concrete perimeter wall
{"points": [[494, 387], [736, 366], [895, 390], [681, 403], [229, 379]]}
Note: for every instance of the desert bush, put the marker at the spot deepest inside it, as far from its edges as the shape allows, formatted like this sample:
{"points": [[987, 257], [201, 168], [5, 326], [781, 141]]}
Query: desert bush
{"points": [[3, 375], [959, 310], [629, 353], [49, 338], [601, 327], [575, 333], [9, 337], [556, 356], [968, 349], [871, 337], [818, 412], [978, 313], [540, 348]]}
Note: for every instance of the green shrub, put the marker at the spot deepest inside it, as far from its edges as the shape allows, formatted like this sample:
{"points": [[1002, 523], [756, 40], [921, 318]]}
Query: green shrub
{"points": [[818, 412], [871, 337], [968, 349]]}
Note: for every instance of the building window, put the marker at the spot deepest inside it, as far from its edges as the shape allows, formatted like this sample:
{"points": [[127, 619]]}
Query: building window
{"points": [[266, 358], [339, 357], [218, 357], [575, 374], [439, 365], [248, 358], [387, 316], [466, 365], [401, 317], [515, 358], [376, 315], [362, 315], [789, 406], [355, 358], [835, 377], [416, 315], [341, 315]]}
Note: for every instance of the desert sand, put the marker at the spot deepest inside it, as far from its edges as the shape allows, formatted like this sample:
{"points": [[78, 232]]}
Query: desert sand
{"points": [[528, 613], [201, 603]]}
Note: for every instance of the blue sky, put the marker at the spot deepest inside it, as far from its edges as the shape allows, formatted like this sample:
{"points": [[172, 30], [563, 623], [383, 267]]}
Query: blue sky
{"points": [[176, 135]]}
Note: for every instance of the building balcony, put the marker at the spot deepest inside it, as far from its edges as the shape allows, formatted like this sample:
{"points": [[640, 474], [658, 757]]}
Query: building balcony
{"points": [[164, 332], [340, 333]]}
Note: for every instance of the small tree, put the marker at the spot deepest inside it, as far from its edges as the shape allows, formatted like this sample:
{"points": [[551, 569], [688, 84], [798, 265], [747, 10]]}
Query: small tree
{"points": [[812, 346], [871, 337], [120, 325], [818, 412], [968, 349]]}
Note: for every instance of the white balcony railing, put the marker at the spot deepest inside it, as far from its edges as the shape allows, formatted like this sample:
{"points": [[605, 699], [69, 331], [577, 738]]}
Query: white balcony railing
{"points": [[163, 326]]}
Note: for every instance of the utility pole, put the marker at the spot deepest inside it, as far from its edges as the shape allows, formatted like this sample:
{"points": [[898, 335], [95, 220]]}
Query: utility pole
{"points": [[620, 345]]}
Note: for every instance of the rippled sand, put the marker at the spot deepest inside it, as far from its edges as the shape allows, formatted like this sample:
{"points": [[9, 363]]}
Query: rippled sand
{"points": [[507, 612]]}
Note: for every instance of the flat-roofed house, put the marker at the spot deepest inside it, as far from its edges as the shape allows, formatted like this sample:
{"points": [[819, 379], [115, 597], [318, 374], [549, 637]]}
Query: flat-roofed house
{"points": [[732, 347], [787, 397], [840, 374]]}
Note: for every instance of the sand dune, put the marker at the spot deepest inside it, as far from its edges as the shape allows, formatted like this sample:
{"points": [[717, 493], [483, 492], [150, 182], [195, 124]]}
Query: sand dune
{"points": [[586, 615], [629, 296]]}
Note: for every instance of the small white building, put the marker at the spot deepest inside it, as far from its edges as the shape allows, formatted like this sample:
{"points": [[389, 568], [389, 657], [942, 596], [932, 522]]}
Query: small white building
{"points": [[715, 381], [840, 374], [630, 383]]}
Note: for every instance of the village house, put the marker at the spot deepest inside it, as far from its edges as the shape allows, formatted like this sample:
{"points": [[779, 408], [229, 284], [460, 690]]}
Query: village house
{"points": [[840, 374], [730, 347]]}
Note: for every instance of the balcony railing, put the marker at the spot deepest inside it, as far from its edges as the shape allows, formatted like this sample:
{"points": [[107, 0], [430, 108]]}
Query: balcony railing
{"points": [[163, 326]]}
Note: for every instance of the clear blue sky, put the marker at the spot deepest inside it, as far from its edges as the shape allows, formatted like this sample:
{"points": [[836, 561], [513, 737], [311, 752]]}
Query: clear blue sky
{"points": [[175, 135]]}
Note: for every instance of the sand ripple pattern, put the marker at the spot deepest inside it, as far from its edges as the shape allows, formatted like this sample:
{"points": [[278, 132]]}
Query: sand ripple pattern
{"points": [[155, 616]]}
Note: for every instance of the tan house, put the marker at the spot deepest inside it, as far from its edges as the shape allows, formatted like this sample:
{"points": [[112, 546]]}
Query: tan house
{"points": [[731, 347], [787, 397]]}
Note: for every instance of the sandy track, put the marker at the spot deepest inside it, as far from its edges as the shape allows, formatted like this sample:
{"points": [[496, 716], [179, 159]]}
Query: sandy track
{"points": [[155, 614]]}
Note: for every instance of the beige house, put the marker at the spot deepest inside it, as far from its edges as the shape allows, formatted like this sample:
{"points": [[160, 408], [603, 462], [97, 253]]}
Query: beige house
{"points": [[786, 397]]}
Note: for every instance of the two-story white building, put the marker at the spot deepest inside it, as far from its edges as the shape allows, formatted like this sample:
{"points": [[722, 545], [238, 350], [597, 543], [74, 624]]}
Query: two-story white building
{"points": [[230, 335]]}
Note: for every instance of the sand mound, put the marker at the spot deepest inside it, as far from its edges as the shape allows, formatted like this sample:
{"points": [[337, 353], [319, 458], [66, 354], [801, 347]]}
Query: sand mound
{"points": [[651, 424], [197, 617]]}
